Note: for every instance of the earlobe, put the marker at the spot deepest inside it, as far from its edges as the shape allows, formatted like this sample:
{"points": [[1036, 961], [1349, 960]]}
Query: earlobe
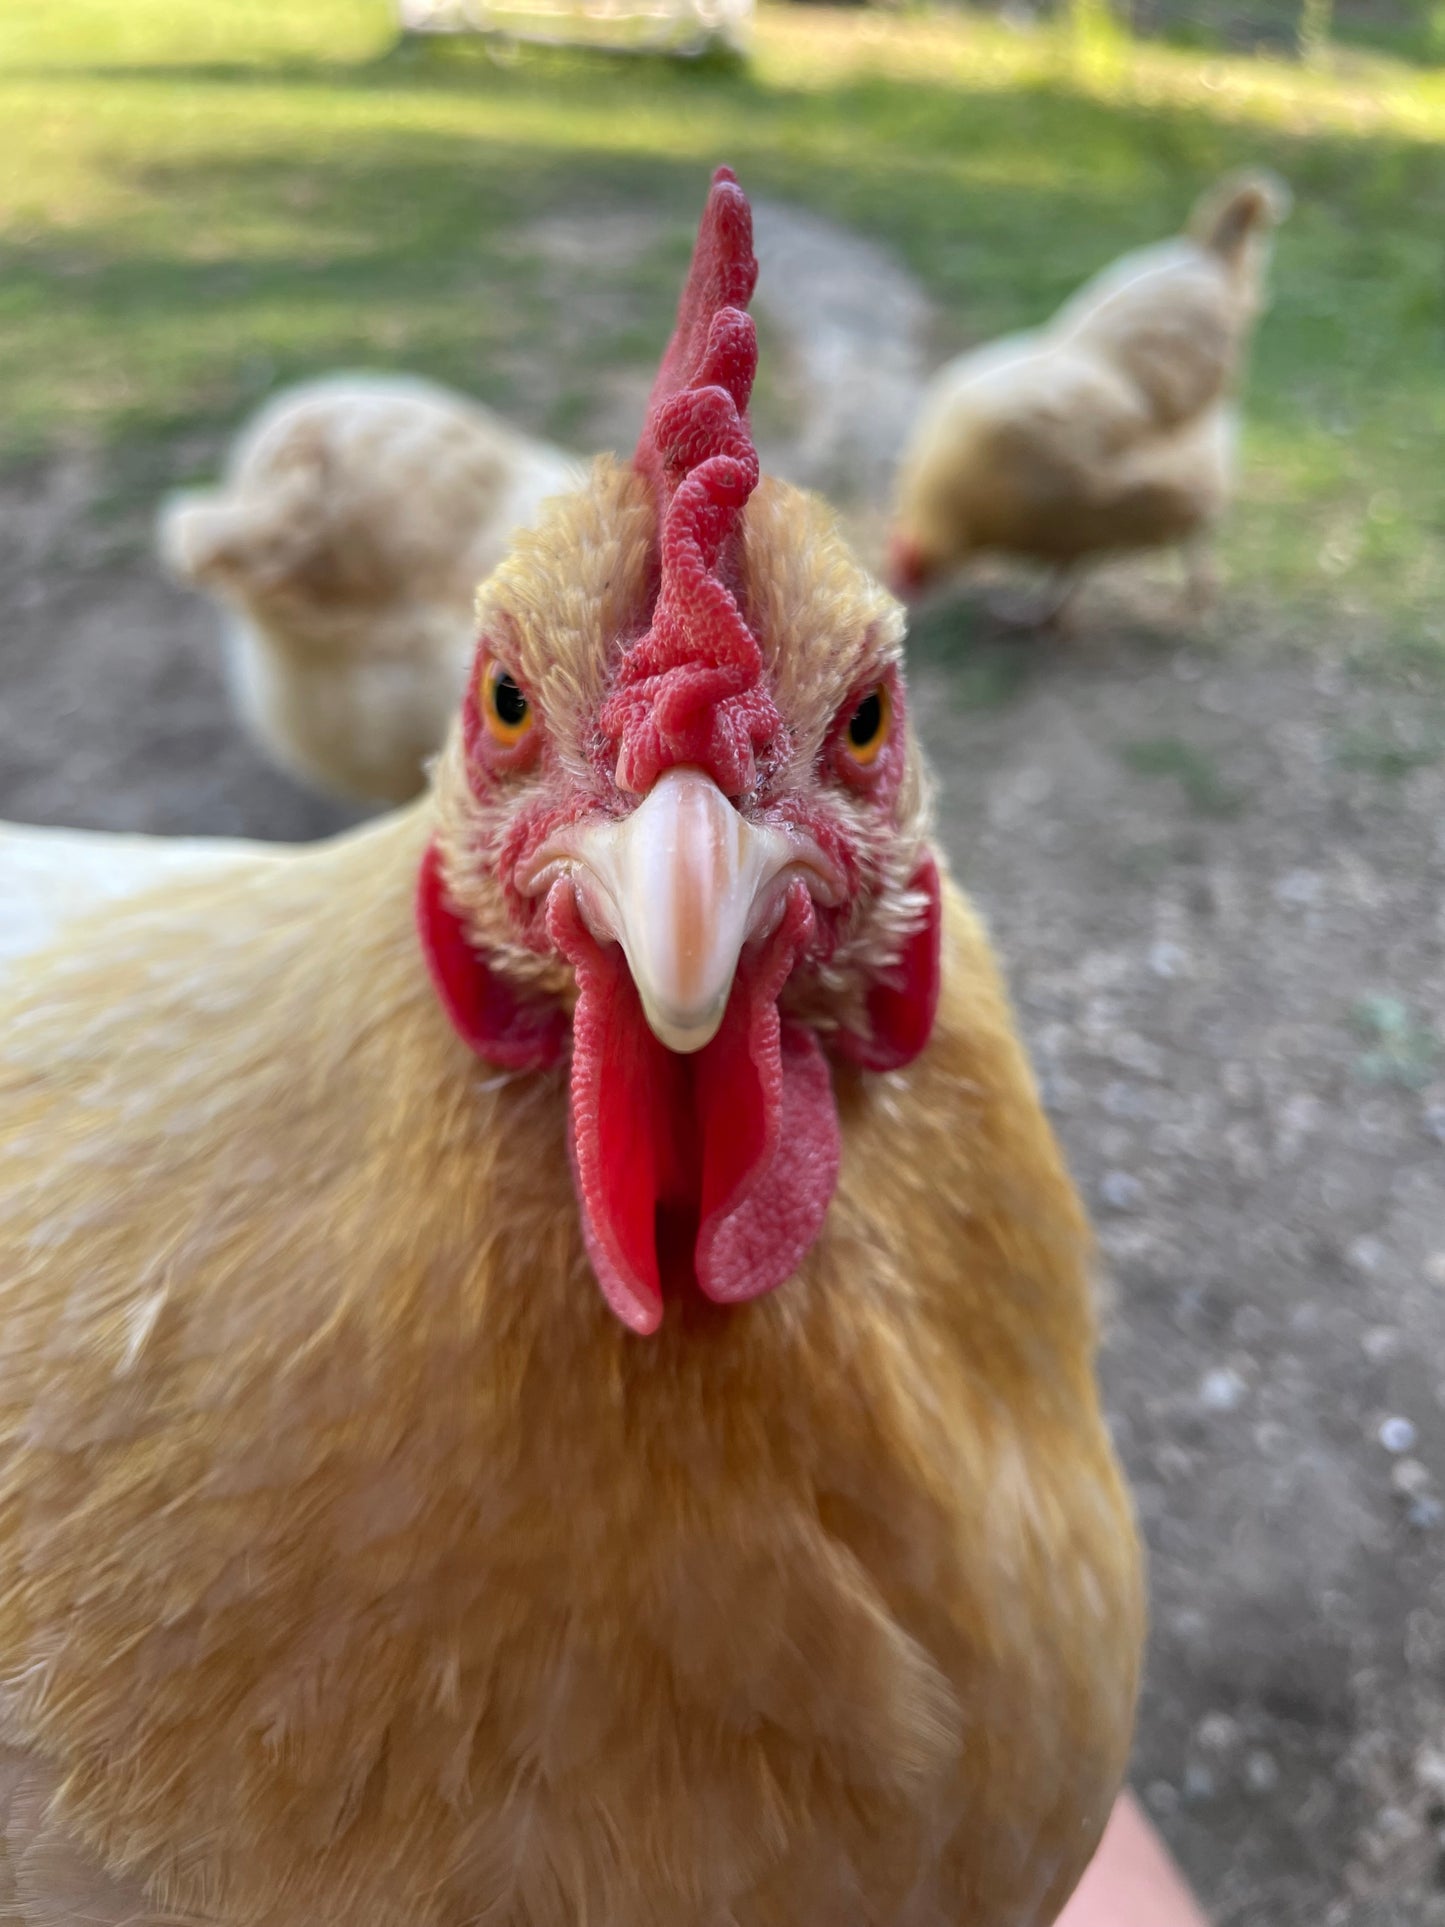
{"points": [[902, 1007], [516, 1033]]}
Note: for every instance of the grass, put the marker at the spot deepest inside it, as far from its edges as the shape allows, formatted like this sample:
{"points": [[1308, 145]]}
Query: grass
{"points": [[202, 198], [1403, 1048], [1411, 29], [1390, 754], [1204, 788], [986, 671]]}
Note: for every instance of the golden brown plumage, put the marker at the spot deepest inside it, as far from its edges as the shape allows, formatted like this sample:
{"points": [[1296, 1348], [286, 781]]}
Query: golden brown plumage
{"points": [[357, 1564], [356, 519], [1110, 428]]}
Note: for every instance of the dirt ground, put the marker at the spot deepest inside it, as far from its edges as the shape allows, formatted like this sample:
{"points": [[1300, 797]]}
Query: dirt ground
{"points": [[1217, 875], [1225, 978]]}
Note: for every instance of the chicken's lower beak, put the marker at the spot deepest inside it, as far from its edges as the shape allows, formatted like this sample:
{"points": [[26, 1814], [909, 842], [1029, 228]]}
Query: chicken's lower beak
{"points": [[683, 883]]}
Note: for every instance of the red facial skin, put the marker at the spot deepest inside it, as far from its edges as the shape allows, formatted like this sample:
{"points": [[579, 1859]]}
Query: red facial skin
{"points": [[808, 813], [715, 1166], [714, 1169]]}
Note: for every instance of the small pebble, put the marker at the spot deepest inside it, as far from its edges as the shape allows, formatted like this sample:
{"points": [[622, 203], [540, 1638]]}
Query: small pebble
{"points": [[1166, 959], [1261, 1773], [1365, 1254], [1298, 888], [1380, 1342], [1410, 1477], [1397, 1435], [1198, 1781], [1221, 1390], [1121, 1191], [1217, 1733], [1426, 1514], [1394, 1823], [1122, 1099], [1430, 1769], [1301, 1113], [1161, 1798]]}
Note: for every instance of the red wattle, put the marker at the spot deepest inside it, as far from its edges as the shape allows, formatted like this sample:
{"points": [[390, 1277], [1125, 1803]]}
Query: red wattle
{"points": [[902, 1006], [763, 1101], [716, 1168], [515, 1032], [736, 1145]]}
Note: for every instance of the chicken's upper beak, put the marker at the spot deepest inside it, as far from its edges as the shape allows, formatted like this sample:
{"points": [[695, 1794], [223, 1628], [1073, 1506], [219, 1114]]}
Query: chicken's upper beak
{"points": [[683, 884]]}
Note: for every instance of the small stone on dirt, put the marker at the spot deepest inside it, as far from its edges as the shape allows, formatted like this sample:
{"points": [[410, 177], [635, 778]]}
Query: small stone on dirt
{"points": [[1222, 1390], [1121, 1191]]}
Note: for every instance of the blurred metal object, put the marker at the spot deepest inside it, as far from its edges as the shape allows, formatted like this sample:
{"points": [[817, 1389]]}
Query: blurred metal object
{"points": [[682, 27]]}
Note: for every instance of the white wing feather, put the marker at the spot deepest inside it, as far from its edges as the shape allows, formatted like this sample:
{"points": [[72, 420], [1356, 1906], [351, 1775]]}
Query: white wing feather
{"points": [[48, 876]]}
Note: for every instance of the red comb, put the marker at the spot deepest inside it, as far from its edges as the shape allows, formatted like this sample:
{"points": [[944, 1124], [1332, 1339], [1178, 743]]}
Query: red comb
{"points": [[690, 691], [719, 287]]}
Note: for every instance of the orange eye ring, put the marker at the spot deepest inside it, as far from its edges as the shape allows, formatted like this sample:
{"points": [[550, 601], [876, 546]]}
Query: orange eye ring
{"points": [[870, 726], [505, 710]]}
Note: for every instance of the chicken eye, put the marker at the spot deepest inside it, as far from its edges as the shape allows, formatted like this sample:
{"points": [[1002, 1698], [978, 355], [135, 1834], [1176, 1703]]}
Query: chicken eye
{"points": [[505, 710], [869, 725]]}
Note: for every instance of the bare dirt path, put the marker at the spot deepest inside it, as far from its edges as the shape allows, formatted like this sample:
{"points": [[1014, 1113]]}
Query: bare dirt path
{"points": [[1218, 881]]}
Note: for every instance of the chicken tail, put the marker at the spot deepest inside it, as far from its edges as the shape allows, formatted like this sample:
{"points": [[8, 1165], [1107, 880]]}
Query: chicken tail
{"points": [[199, 536], [229, 536], [1236, 210]]}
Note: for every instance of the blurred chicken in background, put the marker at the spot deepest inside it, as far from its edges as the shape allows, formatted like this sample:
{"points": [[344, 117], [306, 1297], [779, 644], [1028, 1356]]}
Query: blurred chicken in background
{"points": [[356, 519], [1110, 428]]}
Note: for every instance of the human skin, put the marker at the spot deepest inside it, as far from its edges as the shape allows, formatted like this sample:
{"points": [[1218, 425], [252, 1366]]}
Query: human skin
{"points": [[1131, 1881]]}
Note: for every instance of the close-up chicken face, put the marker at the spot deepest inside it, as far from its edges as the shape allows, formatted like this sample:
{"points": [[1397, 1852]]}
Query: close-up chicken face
{"points": [[682, 875], [681, 831], [674, 862]]}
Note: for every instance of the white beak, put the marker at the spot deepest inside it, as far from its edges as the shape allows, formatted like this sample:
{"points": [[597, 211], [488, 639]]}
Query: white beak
{"points": [[683, 884]]}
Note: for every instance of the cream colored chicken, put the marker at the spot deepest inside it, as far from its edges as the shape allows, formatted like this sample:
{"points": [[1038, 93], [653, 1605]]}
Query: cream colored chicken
{"points": [[356, 519], [1112, 427]]}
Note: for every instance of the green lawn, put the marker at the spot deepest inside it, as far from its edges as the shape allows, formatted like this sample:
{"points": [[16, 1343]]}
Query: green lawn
{"points": [[201, 198]]}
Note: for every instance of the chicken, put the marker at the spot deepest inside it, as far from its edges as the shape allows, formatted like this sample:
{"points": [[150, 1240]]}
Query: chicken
{"points": [[1112, 427], [357, 518], [362, 1559]]}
